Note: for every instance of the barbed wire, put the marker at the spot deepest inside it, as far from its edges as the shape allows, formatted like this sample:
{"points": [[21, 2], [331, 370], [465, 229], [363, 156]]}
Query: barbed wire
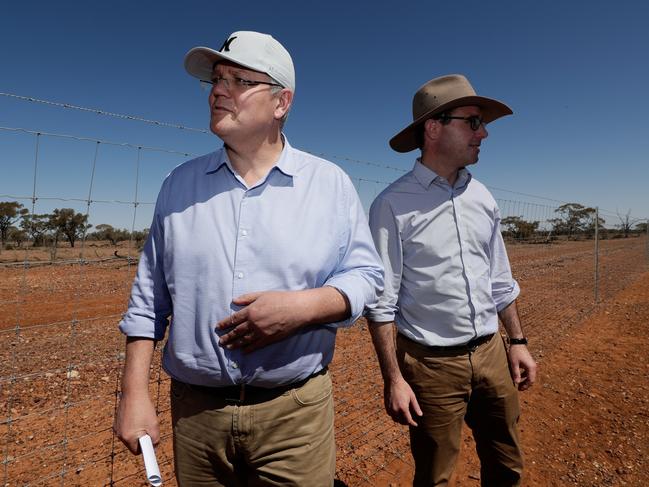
{"points": [[99, 111], [61, 323], [160, 123], [76, 200], [189, 154], [529, 195], [62, 262], [98, 141], [358, 161]]}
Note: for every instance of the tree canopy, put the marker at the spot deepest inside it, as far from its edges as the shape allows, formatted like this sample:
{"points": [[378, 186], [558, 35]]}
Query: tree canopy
{"points": [[10, 213], [72, 225], [516, 227], [50, 228], [573, 219]]}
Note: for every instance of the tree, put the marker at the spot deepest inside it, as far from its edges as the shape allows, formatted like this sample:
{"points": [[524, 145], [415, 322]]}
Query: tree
{"points": [[36, 226], [641, 227], [626, 223], [10, 212], [140, 236], [589, 224], [65, 221], [574, 218], [17, 235], [516, 227], [104, 231]]}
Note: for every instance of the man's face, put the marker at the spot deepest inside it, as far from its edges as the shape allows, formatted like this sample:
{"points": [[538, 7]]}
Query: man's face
{"points": [[458, 142], [237, 110]]}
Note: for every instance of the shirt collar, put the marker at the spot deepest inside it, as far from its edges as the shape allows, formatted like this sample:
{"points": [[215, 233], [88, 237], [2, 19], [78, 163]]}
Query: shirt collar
{"points": [[463, 178], [286, 162], [426, 176], [423, 174]]}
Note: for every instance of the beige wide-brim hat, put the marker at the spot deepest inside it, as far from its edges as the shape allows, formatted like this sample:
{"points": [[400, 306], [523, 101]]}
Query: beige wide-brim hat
{"points": [[438, 96]]}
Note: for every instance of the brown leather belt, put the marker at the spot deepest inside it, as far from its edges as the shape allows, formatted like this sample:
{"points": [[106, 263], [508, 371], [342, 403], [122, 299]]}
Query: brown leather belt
{"points": [[244, 394]]}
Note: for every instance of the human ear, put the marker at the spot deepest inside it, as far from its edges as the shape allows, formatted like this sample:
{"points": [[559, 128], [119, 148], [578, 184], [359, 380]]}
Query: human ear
{"points": [[431, 128], [284, 101]]}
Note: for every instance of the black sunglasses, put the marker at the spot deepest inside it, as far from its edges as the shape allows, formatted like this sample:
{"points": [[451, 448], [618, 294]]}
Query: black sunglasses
{"points": [[474, 121]]}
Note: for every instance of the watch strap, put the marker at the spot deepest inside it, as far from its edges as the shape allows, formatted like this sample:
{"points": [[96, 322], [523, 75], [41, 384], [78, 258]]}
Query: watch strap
{"points": [[517, 341]]}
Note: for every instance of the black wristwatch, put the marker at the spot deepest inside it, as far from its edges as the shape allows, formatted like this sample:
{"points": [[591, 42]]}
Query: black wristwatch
{"points": [[517, 341]]}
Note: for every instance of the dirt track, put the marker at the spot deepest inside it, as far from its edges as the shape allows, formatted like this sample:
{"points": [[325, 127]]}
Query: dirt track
{"points": [[585, 423]]}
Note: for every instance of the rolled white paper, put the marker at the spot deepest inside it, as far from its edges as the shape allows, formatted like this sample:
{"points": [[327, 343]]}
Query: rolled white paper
{"points": [[150, 462]]}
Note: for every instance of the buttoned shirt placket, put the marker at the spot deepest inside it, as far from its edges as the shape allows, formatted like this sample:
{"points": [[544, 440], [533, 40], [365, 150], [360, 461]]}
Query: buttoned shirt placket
{"points": [[457, 217], [243, 258]]}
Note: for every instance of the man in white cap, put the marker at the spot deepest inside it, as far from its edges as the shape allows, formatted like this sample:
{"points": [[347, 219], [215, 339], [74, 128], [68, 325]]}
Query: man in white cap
{"points": [[257, 253], [447, 282]]}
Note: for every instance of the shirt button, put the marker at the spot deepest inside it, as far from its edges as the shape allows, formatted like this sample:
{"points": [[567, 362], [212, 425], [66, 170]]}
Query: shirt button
{"points": [[244, 232], [240, 275], [234, 365]]}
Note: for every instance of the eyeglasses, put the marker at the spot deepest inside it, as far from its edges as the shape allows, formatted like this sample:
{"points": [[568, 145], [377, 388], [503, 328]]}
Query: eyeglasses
{"points": [[234, 82], [474, 121]]}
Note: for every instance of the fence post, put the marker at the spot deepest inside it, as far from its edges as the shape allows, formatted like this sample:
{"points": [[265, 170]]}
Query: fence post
{"points": [[596, 254]]}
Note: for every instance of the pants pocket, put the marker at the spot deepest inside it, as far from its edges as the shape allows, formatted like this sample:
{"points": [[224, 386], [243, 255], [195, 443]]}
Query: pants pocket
{"points": [[316, 391]]}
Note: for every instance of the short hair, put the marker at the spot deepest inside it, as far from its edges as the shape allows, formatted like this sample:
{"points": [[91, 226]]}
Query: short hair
{"points": [[419, 133], [274, 91]]}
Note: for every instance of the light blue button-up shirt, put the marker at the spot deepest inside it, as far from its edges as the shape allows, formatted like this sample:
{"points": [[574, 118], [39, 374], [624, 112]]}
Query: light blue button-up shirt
{"points": [[446, 268], [213, 238]]}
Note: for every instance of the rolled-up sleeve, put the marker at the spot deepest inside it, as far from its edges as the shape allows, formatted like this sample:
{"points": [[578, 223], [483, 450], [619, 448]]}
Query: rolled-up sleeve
{"points": [[504, 288], [359, 274], [149, 306], [386, 235]]}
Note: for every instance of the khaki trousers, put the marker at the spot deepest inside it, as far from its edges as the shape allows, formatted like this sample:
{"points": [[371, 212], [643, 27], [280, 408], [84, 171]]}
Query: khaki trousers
{"points": [[453, 387], [287, 441]]}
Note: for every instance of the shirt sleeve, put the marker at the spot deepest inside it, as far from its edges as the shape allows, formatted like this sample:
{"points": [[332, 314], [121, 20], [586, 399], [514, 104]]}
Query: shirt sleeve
{"points": [[359, 274], [387, 239], [149, 306], [504, 288]]}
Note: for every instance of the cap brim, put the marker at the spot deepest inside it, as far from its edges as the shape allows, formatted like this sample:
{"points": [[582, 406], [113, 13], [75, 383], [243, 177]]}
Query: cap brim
{"points": [[199, 62], [406, 140]]}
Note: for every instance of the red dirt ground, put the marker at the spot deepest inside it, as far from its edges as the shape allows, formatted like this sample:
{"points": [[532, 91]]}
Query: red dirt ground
{"points": [[585, 423]]}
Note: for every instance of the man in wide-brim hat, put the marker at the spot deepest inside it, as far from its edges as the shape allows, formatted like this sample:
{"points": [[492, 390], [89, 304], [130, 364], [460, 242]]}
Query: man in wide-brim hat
{"points": [[447, 283]]}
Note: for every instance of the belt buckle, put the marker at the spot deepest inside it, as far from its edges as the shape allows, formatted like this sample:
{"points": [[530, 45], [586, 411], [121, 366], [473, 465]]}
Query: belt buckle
{"points": [[473, 344], [477, 342], [242, 397]]}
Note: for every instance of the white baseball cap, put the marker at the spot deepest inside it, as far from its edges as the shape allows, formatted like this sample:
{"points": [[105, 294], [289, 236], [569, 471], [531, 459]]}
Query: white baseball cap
{"points": [[252, 50]]}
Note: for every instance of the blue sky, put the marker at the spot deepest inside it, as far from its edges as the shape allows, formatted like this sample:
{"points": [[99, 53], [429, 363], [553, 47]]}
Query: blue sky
{"points": [[575, 74]]}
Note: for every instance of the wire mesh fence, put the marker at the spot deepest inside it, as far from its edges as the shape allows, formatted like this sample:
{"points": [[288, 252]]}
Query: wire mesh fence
{"points": [[61, 352], [61, 356]]}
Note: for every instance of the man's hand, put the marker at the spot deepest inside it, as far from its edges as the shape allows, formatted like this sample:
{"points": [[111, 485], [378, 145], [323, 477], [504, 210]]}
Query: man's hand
{"points": [[270, 316], [521, 363], [267, 317], [522, 366], [400, 402], [136, 417]]}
